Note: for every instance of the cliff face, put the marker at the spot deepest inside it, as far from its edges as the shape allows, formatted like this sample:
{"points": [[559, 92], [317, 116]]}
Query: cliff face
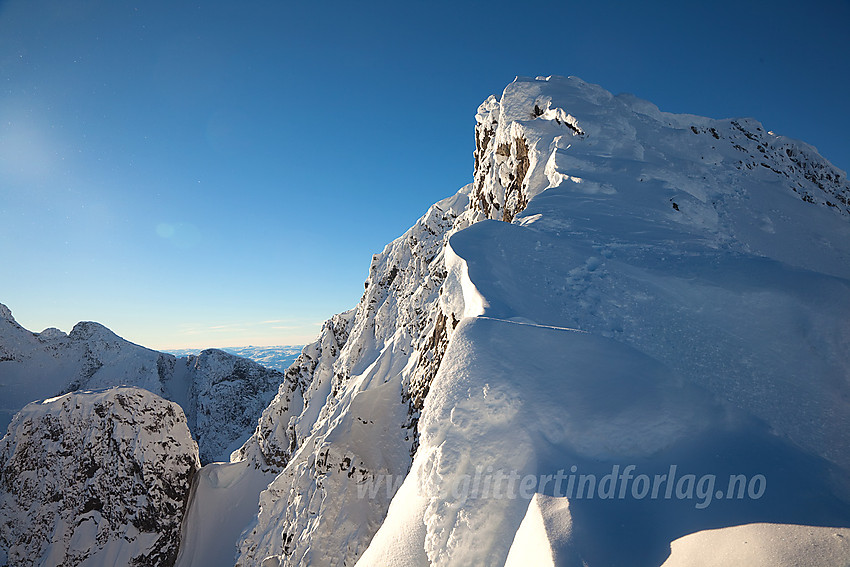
{"points": [[657, 281], [363, 381], [95, 478], [226, 395]]}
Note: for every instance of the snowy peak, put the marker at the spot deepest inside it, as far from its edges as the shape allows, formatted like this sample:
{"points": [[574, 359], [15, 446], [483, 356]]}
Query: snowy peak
{"points": [[621, 310], [52, 334], [547, 131], [89, 330], [226, 396], [222, 394], [667, 178], [6, 313]]}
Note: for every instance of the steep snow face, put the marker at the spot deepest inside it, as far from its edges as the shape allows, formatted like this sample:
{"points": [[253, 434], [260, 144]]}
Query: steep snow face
{"points": [[544, 536], [223, 501], [355, 412], [95, 478], [222, 395], [667, 289]]}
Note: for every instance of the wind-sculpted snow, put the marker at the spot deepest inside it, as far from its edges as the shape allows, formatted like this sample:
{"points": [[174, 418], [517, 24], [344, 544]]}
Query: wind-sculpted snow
{"points": [[763, 545], [701, 248], [662, 289], [95, 478]]}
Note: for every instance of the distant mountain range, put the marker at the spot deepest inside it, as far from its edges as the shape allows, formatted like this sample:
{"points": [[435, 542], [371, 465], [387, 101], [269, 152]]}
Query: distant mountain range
{"points": [[277, 357]]}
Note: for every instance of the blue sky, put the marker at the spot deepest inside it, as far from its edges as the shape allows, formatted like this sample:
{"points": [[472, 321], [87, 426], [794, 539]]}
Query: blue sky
{"points": [[219, 174]]}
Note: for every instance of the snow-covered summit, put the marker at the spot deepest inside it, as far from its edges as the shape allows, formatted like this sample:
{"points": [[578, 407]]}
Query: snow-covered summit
{"points": [[90, 330], [563, 132], [664, 289]]}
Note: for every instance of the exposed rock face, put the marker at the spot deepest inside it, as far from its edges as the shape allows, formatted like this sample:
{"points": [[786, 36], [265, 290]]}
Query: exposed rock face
{"points": [[278, 357], [275, 438], [227, 394], [364, 379], [95, 478]]}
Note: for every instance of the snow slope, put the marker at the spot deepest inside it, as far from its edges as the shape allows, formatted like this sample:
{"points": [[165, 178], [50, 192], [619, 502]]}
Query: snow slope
{"points": [[221, 394], [95, 478], [763, 545], [618, 286], [223, 501]]}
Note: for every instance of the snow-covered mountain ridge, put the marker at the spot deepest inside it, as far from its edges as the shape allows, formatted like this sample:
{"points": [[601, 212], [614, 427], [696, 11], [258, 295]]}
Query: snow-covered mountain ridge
{"points": [[709, 257], [221, 394], [617, 289]]}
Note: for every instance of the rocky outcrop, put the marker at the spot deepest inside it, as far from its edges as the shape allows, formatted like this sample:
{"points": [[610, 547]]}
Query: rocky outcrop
{"points": [[95, 478], [275, 439]]}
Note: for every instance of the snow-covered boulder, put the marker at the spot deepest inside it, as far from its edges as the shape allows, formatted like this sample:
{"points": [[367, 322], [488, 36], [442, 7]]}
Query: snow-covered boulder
{"points": [[95, 478]]}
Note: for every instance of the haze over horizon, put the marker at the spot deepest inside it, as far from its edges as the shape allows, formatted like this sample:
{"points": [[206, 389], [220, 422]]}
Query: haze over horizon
{"points": [[220, 175]]}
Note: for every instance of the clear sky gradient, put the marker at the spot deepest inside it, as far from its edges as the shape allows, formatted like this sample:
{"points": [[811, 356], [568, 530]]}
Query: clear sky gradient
{"points": [[219, 173]]}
